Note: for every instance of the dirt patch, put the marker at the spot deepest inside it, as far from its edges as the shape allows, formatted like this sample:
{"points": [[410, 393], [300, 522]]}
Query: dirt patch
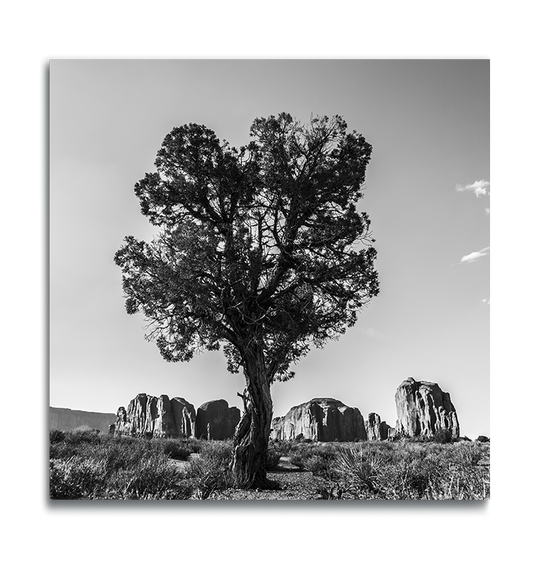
{"points": [[294, 485]]}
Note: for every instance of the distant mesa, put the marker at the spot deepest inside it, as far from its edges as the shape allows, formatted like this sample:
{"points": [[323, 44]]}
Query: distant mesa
{"points": [[65, 419]]}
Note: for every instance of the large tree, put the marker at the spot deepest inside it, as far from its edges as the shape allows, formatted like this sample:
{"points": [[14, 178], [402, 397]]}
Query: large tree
{"points": [[262, 252]]}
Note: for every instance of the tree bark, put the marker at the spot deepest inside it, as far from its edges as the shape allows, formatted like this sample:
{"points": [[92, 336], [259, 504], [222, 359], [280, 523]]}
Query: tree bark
{"points": [[250, 442]]}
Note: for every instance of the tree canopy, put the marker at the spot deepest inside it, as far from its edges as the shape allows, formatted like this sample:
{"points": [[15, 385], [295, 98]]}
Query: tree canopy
{"points": [[262, 242]]}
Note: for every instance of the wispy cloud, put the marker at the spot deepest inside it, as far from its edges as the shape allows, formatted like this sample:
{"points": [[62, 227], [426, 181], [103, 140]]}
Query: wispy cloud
{"points": [[480, 187], [476, 255], [486, 300]]}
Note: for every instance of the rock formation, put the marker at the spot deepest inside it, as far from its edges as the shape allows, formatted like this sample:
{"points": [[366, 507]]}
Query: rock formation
{"points": [[376, 429], [65, 419], [159, 417], [423, 408], [185, 416], [322, 420], [215, 420]]}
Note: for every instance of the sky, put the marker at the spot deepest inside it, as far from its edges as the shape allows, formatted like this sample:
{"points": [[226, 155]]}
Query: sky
{"points": [[427, 194]]}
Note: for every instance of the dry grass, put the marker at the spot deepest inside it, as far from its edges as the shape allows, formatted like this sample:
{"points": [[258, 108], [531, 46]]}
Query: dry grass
{"points": [[86, 465]]}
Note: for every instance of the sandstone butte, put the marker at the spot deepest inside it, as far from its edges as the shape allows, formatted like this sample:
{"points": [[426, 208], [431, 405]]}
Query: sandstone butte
{"points": [[423, 409], [176, 418], [321, 420]]}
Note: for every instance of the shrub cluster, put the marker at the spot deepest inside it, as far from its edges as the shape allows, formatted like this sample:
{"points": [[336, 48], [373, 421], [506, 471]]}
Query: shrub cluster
{"points": [[407, 470], [414, 468], [87, 465], [316, 458]]}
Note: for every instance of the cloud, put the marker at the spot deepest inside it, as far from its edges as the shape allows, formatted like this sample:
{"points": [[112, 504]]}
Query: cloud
{"points": [[480, 187], [486, 300], [472, 257], [487, 210]]}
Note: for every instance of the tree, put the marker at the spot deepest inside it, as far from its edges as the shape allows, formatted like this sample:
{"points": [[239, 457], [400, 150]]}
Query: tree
{"points": [[262, 252]]}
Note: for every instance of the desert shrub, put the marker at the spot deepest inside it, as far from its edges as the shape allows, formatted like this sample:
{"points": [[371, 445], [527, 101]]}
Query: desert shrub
{"points": [[313, 457], [216, 451], [175, 449], [75, 443], [318, 464], [469, 453], [83, 434], [359, 470], [154, 477], [76, 478], [60, 450], [123, 454], [211, 471], [115, 468], [273, 458], [194, 444], [329, 490], [442, 436], [204, 478], [282, 447], [418, 477], [321, 459], [299, 456], [56, 436], [411, 471], [418, 439]]}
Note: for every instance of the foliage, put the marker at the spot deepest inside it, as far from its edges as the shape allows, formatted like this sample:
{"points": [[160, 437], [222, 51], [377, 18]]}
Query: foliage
{"points": [[316, 458], [56, 436], [177, 449], [153, 478], [281, 447], [442, 436], [273, 458], [482, 439], [263, 242], [131, 468], [86, 465], [212, 470], [404, 470], [83, 434]]}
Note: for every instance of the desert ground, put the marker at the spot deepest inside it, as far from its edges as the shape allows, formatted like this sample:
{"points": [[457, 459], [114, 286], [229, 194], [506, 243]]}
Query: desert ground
{"points": [[87, 465]]}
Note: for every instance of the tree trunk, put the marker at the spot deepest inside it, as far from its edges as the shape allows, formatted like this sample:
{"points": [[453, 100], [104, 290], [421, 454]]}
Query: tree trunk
{"points": [[250, 443]]}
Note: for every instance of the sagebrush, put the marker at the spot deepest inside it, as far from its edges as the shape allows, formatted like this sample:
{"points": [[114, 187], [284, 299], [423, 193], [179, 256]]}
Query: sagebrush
{"points": [[87, 465]]}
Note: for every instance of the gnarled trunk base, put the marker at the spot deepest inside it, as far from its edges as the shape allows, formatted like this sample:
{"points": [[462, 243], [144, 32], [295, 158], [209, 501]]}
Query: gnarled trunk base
{"points": [[250, 443]]}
